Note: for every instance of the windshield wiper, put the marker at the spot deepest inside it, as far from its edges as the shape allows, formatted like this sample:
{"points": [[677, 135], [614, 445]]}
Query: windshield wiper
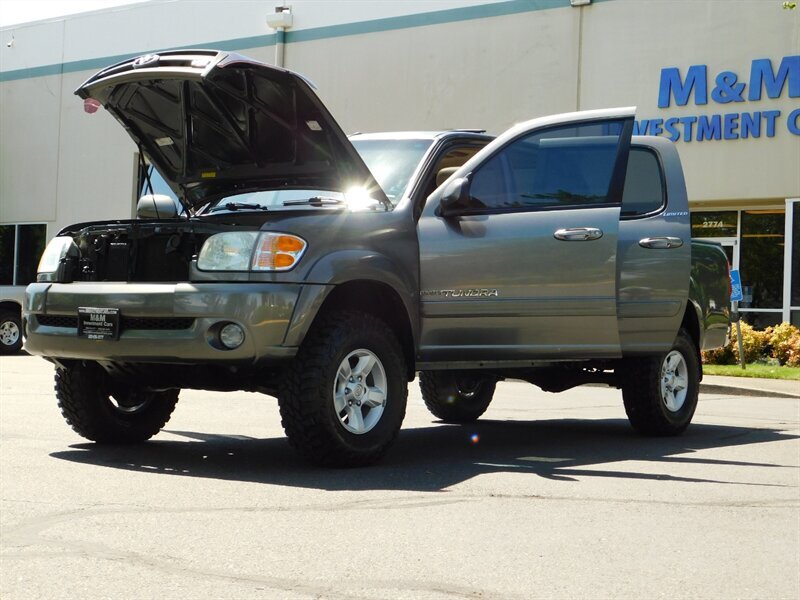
{"points": [[233, 206], [315, 201]]}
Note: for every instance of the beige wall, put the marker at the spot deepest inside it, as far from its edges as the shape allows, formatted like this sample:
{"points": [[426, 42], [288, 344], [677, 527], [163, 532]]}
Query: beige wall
{"points": [[29, 132], [627, 42], [61, 165], [96, 168], [475, 74]]}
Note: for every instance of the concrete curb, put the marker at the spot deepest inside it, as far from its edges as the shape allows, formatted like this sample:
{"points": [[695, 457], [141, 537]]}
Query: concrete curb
{"points": [[712, 388]]}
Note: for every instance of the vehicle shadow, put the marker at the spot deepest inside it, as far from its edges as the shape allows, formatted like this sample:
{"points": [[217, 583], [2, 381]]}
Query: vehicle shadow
{"points": [[436, 457]]}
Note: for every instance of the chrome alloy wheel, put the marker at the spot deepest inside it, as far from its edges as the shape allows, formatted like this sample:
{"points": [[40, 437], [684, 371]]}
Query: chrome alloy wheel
{"points": [[674, 381], [359, 392], [9, 333]]}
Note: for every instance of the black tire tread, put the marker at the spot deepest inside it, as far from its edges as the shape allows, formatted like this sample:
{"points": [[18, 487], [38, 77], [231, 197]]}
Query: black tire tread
{"points": [[85, 405], [436, 386], [305, 389], [642, 397]]}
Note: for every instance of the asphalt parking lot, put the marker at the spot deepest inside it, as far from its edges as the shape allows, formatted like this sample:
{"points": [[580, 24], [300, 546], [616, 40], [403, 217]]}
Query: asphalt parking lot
{"points": [[549, 496]]}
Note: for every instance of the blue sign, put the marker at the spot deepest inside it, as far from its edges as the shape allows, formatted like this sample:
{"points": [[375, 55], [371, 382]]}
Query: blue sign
{"points": [[736, 287], [726, 89]]}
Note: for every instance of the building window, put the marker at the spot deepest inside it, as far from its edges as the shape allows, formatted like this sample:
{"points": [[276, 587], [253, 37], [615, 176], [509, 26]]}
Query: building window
{"points": [[21, 247], [754, 241], [714, 224], [794, 240], [761, 259]]}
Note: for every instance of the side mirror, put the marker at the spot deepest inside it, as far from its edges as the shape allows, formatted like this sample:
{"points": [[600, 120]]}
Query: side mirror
{"points": [[156, 206], [455, 197]]}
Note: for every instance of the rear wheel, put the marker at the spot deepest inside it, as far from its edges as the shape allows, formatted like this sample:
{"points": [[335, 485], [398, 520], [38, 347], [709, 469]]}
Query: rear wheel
{"points": [[660, 393], [10, 332], [343, 399], [456, 396], [102, 412]]}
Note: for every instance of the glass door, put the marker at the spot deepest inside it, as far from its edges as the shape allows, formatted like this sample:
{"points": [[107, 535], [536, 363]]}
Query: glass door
{"points": [[761, 262], [791, 264]]}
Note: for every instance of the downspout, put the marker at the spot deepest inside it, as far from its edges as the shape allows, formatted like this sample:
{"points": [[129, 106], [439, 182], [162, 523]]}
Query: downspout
{"points": [[579, 4], [280, 37], [280, 21]]}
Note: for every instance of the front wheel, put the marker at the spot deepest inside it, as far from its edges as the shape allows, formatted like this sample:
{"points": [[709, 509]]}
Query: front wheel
{"points": [[660, 393], [343, 399], [456, 396], [102, 412]]}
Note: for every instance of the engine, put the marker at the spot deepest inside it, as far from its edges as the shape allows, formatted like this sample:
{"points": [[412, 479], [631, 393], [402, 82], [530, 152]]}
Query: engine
{"points": [[136, 252]]}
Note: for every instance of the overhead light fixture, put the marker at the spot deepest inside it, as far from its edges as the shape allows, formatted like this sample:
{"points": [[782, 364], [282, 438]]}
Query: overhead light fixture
{"points": [[579, 2], [281, 18]]}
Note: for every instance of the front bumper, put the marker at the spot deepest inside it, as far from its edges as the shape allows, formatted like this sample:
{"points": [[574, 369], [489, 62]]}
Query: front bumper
{"points": [[164, 322]]}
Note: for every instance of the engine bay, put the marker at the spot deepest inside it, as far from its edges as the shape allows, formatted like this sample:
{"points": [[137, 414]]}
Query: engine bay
{"points": [[134, 251]]}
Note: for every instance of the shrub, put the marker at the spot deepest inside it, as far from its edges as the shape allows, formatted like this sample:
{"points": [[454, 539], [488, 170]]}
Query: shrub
{"points": [[779, 345], [719, 356], [755, 343], [784, 341], [792, 349]]}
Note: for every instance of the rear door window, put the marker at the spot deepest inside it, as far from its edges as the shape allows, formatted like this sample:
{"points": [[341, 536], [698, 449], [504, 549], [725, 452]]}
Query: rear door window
{"points": [[644, 184]]}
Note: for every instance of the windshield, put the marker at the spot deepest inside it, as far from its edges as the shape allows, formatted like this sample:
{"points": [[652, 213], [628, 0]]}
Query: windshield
{"points": [[392, 162], [356, 199]]}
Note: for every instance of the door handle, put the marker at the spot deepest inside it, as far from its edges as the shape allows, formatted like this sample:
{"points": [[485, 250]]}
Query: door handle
{"points": [[661, 243], [578, 234]]}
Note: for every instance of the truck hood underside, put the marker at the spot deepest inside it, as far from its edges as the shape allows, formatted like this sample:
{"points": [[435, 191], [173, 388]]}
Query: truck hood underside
{"points": [[214, 123]]}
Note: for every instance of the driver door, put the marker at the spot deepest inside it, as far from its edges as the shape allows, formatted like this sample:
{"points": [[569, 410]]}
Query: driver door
{"points": [[523, 264]]}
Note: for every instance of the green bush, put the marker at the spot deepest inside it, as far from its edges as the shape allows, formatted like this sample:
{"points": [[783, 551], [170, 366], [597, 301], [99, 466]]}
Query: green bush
{"points": [[719, 356], [785, 344], [792, 350], [780, 344], [755, 343]]}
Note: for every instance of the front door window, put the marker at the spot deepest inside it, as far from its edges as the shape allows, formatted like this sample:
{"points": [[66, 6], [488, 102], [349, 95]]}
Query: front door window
{"points": [[560, 167]]}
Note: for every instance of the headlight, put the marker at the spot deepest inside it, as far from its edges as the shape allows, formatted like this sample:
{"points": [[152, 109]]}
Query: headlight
{"points": [[250, 250], [55, 251], [230, 251]]}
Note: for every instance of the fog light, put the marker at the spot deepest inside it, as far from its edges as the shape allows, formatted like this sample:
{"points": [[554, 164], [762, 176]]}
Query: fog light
{"points": [[231, 336]]}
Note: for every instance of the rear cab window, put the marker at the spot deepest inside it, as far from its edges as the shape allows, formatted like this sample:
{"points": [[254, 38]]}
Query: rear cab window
{"points": [[644, 192]]}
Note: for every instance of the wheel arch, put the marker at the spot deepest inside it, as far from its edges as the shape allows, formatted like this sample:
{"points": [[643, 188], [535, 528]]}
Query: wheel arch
{"points": [[380, 300], [691, 323], [11, 306]]}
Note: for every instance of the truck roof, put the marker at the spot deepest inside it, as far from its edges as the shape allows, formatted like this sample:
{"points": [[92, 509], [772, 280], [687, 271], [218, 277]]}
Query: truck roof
{"points": [[416, 135]]}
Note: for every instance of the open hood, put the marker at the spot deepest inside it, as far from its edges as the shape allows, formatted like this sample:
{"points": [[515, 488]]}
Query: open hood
{"points": [[216, 122]]}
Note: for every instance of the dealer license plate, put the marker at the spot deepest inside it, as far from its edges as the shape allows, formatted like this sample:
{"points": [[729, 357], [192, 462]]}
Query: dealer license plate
{"points": [[98, 323]]}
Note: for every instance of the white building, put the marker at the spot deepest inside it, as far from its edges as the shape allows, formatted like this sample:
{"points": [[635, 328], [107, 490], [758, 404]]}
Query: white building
{"points": [[720, 78]]}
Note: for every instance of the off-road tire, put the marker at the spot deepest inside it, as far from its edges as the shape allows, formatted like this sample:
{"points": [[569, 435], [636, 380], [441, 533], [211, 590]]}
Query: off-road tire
{"points": [[646, 402], [86, 402], [455, 396], [312, 423], [10, 332]]}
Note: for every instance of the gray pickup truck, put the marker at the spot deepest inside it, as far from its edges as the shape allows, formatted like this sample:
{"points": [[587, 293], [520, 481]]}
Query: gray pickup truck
{"points": [[328, 271]]}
